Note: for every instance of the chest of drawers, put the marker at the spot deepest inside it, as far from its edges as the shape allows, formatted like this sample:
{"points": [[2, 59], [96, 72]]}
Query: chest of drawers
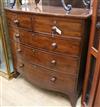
{"points": [[49, 47]]}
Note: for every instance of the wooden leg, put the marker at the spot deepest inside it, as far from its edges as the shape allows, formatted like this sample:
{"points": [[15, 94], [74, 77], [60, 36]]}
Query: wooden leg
{"points": [[16, 74], [73, 99]]}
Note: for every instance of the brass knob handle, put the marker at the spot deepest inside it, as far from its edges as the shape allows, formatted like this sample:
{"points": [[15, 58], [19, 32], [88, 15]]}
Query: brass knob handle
{"points": [[98, 25], [53, 79], [17, 35], [16, 21], [18, 50], [21, 65], [54, 45], [53, 62]]}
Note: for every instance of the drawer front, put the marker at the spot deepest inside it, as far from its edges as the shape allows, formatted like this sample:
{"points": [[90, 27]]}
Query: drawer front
{"points": [[46, 78], [56, 44], [19, 20], [68, 27], [52, 61], [25, 21]]}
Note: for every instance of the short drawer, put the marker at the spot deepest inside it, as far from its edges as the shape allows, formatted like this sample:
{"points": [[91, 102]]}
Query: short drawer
{"points": [[67, 26], [59, 63], [47, 78], [11, 16], [25, 21], [19, 20], [55, 44]]}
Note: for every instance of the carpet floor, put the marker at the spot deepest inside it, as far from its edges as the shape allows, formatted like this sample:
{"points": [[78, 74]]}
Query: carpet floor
{"points": [[18, 92]]}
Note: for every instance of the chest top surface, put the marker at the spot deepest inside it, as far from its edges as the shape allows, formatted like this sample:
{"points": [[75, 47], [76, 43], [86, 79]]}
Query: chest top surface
{"points": [[81, 13]]}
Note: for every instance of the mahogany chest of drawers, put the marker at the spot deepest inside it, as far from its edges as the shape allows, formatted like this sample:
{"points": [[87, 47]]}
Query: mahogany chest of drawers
{"points": [[49, 47]]}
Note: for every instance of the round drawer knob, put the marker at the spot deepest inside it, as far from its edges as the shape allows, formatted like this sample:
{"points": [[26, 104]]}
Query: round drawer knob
{"points": [[53, 62], [54, 45], [53, 79], [17, 35], [21, 65], [16, 22], [18, 50]]}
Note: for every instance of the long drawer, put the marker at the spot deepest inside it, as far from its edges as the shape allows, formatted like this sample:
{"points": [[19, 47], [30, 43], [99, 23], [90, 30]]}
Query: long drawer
{"points": [[46, 78], [67, 26], [58, 63], [56, 44]]}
